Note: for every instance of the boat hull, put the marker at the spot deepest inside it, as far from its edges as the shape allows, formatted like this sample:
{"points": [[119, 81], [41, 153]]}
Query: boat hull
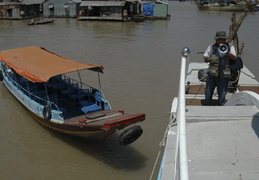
{"points": [[95, 130], [139, 18], [89, 134], [209, 7], [97, 127], [41, 22]]}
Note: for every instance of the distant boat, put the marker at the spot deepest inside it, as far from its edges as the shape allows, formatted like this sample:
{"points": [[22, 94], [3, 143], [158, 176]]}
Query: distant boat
{"points": [[220, 6], [139, 18], [40, 81], [33, 22]]}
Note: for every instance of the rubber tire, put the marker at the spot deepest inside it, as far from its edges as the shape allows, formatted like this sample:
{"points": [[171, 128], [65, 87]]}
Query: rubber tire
{"points": [[130, 135], [46, 112]]}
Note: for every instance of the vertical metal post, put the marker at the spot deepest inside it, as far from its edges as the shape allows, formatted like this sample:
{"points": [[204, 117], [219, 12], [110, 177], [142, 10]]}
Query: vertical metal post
{"points": [[99, 80], [183, 162], [46, 91], [80, 79]]}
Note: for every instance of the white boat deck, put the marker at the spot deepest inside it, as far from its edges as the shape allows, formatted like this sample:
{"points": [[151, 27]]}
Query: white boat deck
{"points": [[224, 145], [222, 142]]}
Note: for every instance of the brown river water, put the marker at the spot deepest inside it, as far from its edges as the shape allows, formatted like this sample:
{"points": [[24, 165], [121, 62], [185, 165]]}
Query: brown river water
{"points": [[141, 62]]}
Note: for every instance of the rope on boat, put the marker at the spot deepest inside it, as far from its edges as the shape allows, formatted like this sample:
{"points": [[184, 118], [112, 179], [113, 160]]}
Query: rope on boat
{"points": [[171, 124], [162, 144]]}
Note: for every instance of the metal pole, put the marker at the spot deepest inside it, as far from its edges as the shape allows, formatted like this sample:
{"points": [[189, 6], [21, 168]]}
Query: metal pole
{"points": [[184, 175], [99, 79], [80, 79]]}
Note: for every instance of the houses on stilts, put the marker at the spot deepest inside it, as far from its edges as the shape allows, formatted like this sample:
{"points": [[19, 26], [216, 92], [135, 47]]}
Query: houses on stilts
{"points": [[126, 10]]}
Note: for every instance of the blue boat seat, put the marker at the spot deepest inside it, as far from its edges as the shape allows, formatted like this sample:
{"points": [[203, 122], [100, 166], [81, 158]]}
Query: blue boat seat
{"points": [[97, 106], [91, 108], [81, 98], [70, 90]]}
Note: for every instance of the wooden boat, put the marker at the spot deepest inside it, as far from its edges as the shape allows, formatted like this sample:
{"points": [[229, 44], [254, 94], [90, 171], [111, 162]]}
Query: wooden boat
{"points": [[212, 142], [39, 80], [219, 6], [33, 22], [139, 18]]}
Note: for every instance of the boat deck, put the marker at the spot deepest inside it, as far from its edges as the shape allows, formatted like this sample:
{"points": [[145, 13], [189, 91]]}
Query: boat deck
{"points": [[220, 146], [222, 141], [196, 94], [196, 89], [98, 118]]}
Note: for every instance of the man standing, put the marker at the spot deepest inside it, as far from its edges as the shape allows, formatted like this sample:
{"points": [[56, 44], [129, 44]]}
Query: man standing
{"points": [[218, 56]]}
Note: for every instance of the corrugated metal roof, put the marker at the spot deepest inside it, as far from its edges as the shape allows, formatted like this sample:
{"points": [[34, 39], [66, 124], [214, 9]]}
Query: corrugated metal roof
{"points": [[133, 1], [77, 1], [9, 3], [29, 2], [152, 2], [102, 3]]}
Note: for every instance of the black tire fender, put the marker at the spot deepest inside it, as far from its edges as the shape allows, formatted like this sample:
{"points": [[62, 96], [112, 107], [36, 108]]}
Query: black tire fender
{"points": [[130, 135], [46, 112]]}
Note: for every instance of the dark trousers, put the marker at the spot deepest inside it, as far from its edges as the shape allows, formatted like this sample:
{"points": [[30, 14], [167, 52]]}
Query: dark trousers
{"points": [[222, 87]]}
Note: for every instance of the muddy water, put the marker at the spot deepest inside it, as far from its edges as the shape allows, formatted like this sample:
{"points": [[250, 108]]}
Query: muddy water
{"points": [[141, 62]]}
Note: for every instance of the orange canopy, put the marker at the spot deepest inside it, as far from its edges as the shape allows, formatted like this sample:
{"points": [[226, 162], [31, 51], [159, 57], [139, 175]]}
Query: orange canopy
{"points": [[39, 65]]}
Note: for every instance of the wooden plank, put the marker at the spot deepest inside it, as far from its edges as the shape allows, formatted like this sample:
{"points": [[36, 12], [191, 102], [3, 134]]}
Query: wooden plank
{"points": [[196, 89], [249, 88]]}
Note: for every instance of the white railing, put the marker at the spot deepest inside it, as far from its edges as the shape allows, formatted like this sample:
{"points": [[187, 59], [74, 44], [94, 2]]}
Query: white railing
{"points": [[177, 117], [181, 164]]}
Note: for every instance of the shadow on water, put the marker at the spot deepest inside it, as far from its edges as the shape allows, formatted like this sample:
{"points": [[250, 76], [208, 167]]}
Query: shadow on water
{"points": [[255, 124], [108, 151]]}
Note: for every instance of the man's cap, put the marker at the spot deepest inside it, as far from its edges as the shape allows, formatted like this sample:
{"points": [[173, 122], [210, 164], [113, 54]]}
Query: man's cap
{"points": [[220, 35]]}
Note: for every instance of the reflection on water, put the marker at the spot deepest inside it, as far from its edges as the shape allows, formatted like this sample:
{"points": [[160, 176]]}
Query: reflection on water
{"points": [[109, 152], [141, 62]]}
